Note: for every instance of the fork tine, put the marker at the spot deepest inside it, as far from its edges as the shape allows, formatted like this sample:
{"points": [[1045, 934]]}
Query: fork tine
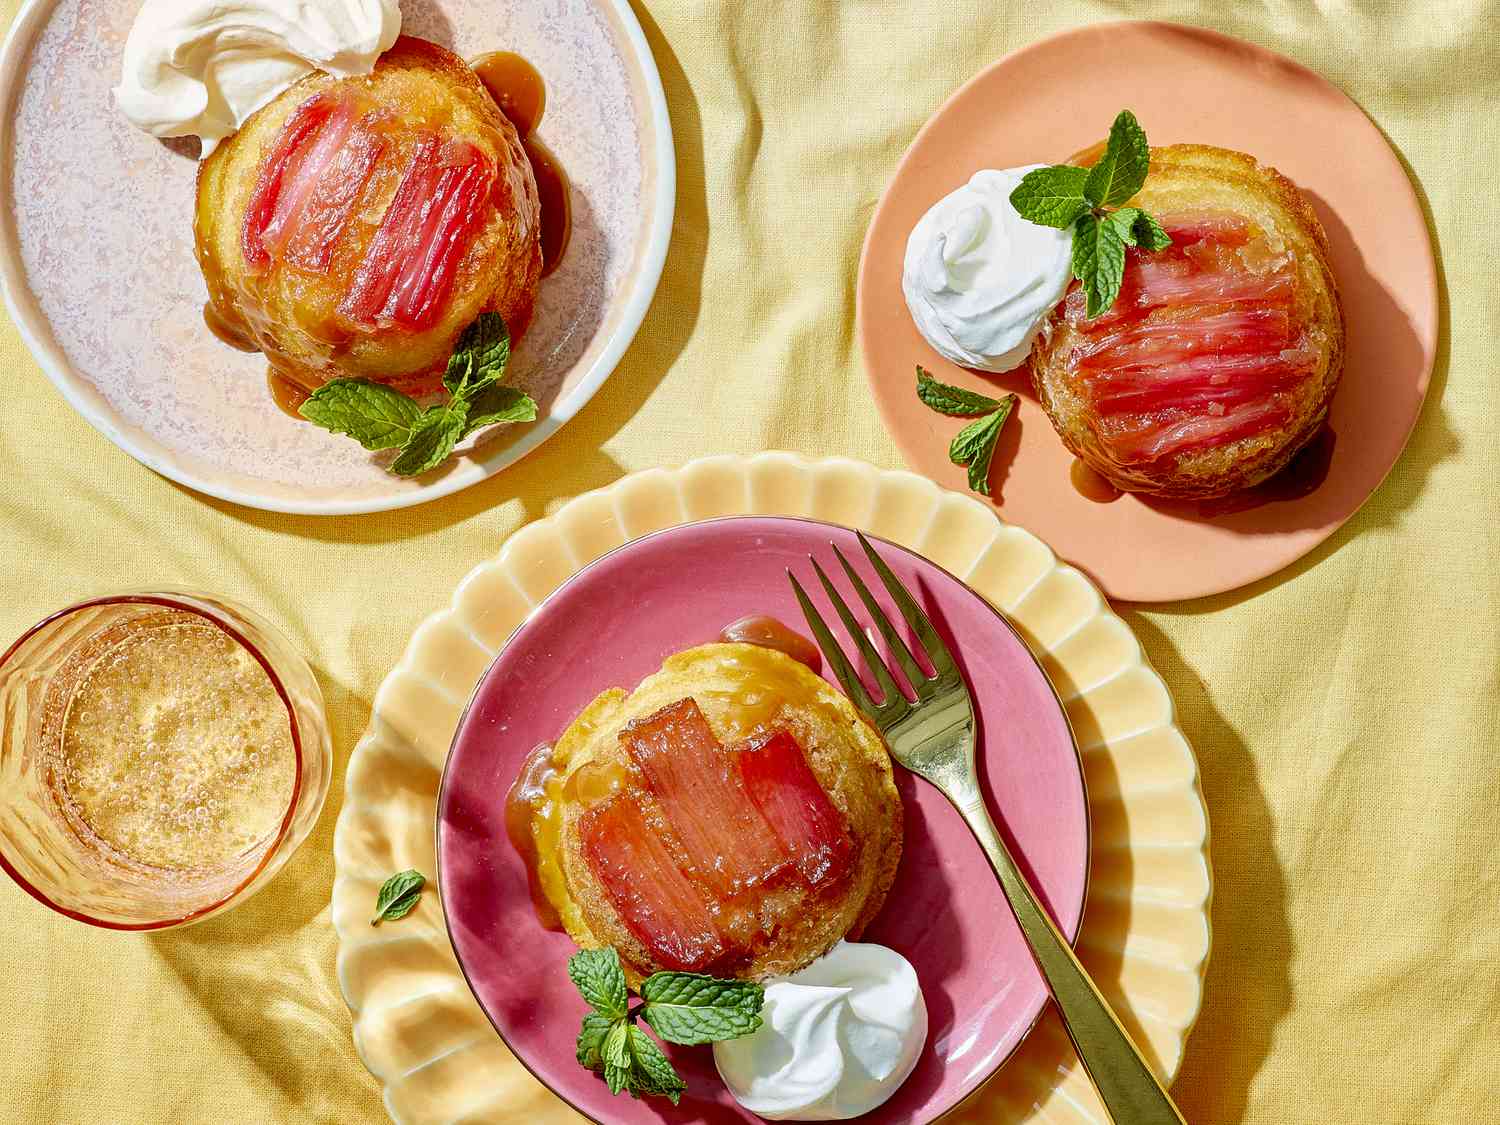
{"points": [[914, 674], [890, 693], [937, 651], [853, 687]]}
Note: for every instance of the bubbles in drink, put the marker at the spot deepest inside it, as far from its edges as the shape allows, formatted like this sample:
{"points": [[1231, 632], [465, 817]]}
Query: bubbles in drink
{"points": [[175, 750]]}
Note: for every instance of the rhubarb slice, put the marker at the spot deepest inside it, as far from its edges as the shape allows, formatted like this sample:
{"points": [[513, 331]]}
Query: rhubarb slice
{"points": [[328, 209], [1137, 438], [413, 258], [1209, 378], [785, 789], [727, 842], [1171, 340], [1223, 228], [307, 142], [628, 848]]}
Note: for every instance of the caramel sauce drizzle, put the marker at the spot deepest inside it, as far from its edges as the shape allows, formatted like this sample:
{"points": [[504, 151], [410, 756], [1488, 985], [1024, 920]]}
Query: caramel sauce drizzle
{"points": [[521, 94]]}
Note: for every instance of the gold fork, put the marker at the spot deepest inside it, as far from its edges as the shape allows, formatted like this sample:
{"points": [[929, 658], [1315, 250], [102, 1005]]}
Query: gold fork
{"points": [[933, 736]]}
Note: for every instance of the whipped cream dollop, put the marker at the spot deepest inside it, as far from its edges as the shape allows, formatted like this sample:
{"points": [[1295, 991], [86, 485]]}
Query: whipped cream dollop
{"points": [[839, 1038], [979, 279], [204, 66]]}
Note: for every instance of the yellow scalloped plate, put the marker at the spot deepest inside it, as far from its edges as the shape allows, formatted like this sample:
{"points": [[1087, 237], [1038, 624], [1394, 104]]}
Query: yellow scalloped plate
{"points": [[1145, 933]]}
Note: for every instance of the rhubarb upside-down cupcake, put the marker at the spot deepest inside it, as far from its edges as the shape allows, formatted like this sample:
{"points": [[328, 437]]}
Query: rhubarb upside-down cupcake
{"points": [[1218, 359], [354, 227], [732, 815]]}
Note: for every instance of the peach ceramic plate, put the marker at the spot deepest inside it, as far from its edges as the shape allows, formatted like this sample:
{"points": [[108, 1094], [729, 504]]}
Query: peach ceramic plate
{"points": [[1145, 927], [96, 252], [1049, 100]]}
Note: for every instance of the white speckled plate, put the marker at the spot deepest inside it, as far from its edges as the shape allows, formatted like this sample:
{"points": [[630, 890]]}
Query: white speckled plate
{"points": [[1145, 929], [96, 252]]}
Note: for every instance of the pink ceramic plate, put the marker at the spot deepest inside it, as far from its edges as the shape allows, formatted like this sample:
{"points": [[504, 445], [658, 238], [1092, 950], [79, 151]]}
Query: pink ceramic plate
{"points": [[612, 624], [1052, 99], [96, 252]]}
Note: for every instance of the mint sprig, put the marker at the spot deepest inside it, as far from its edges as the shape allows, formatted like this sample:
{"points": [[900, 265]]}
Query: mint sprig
{"points": [[1089, 201], [381, 417], [974, 445], [686, 1008]]}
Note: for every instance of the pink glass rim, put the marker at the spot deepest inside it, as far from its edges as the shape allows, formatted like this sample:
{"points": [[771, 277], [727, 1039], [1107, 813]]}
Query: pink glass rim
{"points": [[1072, 921], [166, 600]]}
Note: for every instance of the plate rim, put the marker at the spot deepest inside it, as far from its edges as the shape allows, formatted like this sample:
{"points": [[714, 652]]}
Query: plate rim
{"points": [[771, 482], [36, 333], [1428, 263], [1071, 933]]}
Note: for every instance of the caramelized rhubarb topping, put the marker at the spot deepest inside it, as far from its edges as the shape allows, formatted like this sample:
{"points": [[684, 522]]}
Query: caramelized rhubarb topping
{"points": [[784, 788], [1199, 348], [727, 843], [410, 263], [680, 856], [276, 188], [628, 846], [328, 209]]}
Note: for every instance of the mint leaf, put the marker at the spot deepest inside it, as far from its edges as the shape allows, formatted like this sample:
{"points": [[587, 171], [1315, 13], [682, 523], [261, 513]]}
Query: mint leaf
{"points": [[1098, 261], [1136, 228], [376, 416], [398, 896], [1122, 169], [974, 445], [947, 399], [432, 439], [1149, 234], [615, 1050], [968, 442], [1123, 220], [979, 467], [651, 1071], [695, 990], [690, 1008], [617, 1077], [498, 403], [600, 980], [1053, 197], [479, 357], [591, 1040]]}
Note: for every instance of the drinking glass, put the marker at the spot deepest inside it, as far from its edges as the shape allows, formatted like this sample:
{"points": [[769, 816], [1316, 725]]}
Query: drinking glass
{"points": [[54, 854]]}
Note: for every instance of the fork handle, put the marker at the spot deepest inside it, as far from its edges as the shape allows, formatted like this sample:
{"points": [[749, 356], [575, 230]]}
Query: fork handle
{"points": [[1127, 1086]]}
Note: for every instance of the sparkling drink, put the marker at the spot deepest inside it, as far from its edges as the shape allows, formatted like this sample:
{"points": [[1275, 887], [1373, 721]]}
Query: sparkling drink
{"points": [[173, 749], [161, 756]]}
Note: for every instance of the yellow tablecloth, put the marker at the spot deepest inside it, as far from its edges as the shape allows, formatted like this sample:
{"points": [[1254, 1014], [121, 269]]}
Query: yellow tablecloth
{"points": [[1344, 711]]}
